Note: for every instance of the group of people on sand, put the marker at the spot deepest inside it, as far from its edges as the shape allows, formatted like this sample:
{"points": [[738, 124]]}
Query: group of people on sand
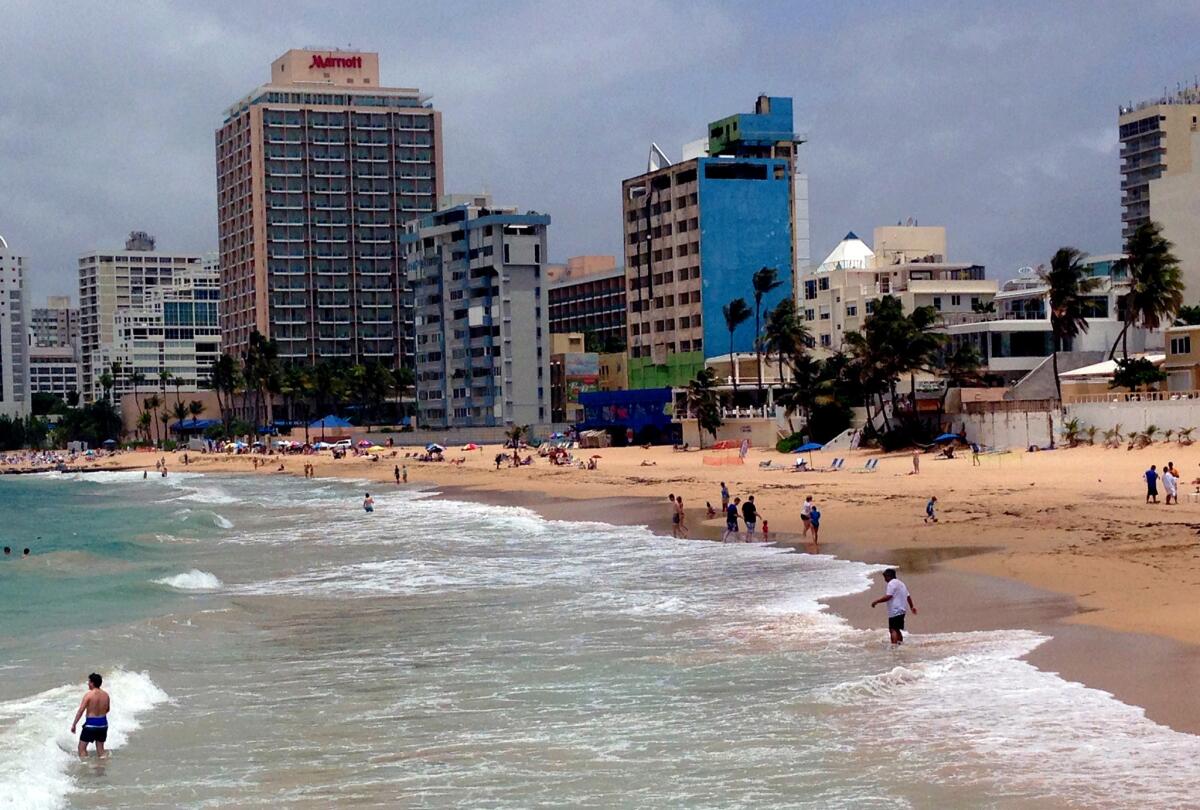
{"points": [[1170, 482]]}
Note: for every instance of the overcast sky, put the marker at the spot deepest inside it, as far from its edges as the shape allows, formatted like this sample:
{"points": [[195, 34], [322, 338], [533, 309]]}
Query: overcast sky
{"points": [[999, 124]]}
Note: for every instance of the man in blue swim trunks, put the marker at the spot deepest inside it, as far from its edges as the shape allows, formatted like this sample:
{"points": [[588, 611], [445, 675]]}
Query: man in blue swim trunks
{"points": [[95, 726]]}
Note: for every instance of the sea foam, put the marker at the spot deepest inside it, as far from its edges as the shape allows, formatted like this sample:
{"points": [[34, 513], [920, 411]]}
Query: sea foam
{"points": [[194, 580]]}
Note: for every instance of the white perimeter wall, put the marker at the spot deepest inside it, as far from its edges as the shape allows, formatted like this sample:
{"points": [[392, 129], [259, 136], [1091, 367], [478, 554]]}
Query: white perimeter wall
{"points": [[1131, 416]]}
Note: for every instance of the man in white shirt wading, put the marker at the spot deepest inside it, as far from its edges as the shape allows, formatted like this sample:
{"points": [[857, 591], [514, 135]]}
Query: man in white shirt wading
{"points": [[898, 602]]}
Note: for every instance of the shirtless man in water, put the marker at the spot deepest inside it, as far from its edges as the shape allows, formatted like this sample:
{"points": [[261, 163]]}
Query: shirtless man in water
{"points": [[95, 727]]}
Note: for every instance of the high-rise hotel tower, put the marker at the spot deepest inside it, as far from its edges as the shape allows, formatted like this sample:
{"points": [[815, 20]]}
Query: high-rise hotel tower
{"points": [[317, 172]]}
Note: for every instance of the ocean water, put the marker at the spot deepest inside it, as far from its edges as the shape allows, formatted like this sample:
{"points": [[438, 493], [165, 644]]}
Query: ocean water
{"points": [[268, 644]]}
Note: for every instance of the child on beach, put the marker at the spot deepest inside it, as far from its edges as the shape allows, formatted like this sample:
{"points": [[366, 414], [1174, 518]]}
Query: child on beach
{"points": [[931, 510], [814, 520]]}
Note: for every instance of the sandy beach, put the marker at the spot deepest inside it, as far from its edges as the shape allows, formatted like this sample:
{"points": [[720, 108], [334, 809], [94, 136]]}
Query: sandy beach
{"points": [[1060, 542]]}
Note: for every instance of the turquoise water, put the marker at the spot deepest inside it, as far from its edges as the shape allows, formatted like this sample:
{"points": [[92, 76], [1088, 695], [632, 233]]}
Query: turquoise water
{"points": [[270, 645]]}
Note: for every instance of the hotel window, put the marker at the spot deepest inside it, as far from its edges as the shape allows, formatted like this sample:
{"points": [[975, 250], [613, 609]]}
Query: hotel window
{"points": [[937, 303], [826, 341], [851, 310], [955, 300], [870, 305], [824, 284], [1181, 345], [824, 313]]}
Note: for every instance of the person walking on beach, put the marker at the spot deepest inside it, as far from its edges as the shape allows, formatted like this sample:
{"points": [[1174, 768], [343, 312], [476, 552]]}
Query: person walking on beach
{"points": [[97, 704], [368, 503], [749, 517], [899, 603], [931, 510], [404, 471], [1151, 477], [724, 496], [916, 462], [806, 515], [814, 520], [683, 529], [674, 515], [1170, 484], [731, 520]]}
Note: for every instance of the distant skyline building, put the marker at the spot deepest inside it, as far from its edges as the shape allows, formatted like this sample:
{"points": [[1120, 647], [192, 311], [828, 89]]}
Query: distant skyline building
{"points": [[114, 282], [55, 324], [317, 172], [482, 319], [54, 366], [695, 233], [1160, 174], [587, 294], [14, 341]]}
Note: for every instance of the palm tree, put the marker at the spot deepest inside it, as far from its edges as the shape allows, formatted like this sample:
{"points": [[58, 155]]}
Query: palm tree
{"points": [[1067, 287], [736, 313], [143, 423], [106, 383], [136, 378], [785, 334], [223, 379], [763, 281], [704, 401], [181, 411], [165, 418], [195, 408], [1155, 287], [151, 404]]}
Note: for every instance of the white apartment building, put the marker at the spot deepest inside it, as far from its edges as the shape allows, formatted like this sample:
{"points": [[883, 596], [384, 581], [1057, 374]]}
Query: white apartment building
{"points": [[908, 262], [1016, 337], [482, 314], [141, 307], [14, 319]]}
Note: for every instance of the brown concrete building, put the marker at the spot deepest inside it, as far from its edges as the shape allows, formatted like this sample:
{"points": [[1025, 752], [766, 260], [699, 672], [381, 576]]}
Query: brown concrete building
{"points": [[587, 294], [317, 172]]}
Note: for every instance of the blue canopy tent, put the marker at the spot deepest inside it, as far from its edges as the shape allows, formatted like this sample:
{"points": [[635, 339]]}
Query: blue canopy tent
{"points": [[947, 437], [331, 421], [194, 425]]}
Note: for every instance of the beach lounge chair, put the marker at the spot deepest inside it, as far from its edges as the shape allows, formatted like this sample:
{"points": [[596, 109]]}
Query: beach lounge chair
{"points": [[870, 467], [835, 465], [801, 465], [764, 465]]}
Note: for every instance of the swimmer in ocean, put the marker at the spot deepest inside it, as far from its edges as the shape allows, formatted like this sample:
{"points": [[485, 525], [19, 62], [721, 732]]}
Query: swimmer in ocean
{"points": [[95, 726], [368, 503]]}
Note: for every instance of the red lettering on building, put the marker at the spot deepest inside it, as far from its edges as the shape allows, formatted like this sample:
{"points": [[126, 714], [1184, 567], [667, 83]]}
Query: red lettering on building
{"points": [[323, 62]]}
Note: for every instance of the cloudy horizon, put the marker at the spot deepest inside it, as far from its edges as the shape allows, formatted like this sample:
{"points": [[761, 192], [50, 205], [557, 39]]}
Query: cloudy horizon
{"points": [[999, 124]]}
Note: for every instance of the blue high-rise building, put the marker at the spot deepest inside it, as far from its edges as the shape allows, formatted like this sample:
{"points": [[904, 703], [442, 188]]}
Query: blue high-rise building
{"points": [[698, 230]]}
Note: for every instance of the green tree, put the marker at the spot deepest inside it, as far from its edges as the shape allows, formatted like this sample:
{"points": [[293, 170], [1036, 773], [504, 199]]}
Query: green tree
{"points": [[736, 313], [704, 401], [1155, 287], [1188, 315], [73, 398], [1067, 287], [764, 280], [195, 408], [143, 423], [785, 334], [1136, 374], [223, 380], [106, 383]]}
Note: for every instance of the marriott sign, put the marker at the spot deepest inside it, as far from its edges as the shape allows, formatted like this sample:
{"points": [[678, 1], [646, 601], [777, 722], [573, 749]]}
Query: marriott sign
{"points": [[323, 62]]}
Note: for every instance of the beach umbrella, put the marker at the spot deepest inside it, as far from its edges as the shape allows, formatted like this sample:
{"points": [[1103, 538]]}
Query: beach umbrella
{"points": [[470, 446], [947, 437], [808, 447], [376, 449], [434, 448], [365, 443]]}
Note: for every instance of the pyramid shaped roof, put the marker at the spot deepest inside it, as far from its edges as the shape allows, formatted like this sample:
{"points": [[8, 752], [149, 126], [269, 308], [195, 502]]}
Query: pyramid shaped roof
{"points": [[851, 253]]}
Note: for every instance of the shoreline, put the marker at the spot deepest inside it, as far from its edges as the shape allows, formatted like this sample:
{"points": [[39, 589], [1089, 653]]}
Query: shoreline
{"points": [[985, 566]]}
